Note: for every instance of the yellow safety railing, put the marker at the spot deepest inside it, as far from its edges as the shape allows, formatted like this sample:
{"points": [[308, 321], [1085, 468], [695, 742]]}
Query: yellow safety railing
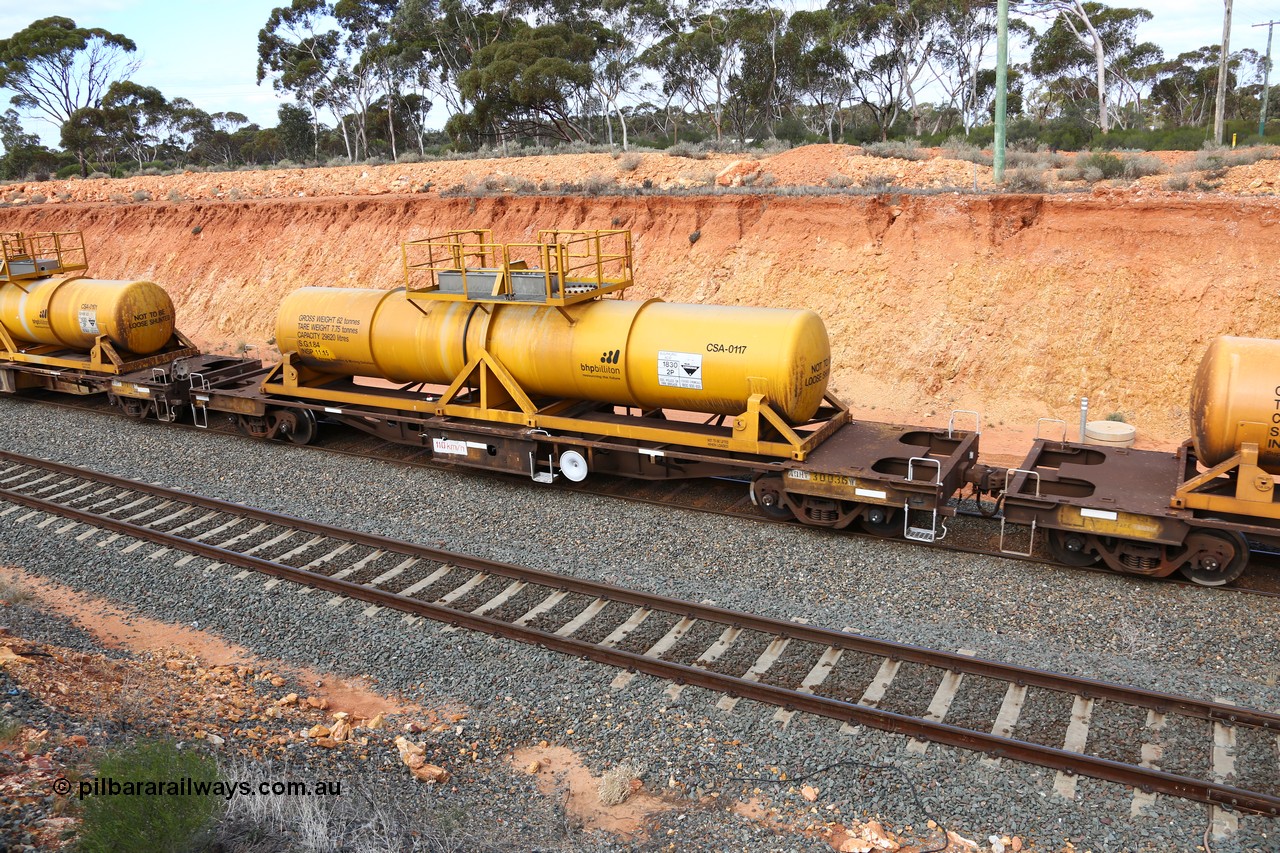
{"points": [[41, 254], [574, 265]]}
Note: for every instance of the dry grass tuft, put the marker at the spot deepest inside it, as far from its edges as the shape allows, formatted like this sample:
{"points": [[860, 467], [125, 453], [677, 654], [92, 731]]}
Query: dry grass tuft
{"points": [[13, 594], [615, 784]]}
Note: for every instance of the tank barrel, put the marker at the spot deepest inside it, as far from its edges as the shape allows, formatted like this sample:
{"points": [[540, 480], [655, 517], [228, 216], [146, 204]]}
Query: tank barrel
{"points": [[1235, 400], [650, 355], [72, 312]]}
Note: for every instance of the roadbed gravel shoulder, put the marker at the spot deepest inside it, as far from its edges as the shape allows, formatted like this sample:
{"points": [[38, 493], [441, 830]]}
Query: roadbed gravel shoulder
{"points": [[1171, 638]]}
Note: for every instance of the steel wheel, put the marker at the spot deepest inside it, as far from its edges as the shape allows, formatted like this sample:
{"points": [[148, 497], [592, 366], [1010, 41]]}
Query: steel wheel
{"points": [[1215, 557], [767, 494], [881, 521], [297, 425], [1071, 549]]}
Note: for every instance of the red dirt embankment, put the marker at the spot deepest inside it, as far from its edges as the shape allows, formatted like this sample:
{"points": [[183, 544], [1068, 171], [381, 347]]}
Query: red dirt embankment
{"points": [[1012, 305]]}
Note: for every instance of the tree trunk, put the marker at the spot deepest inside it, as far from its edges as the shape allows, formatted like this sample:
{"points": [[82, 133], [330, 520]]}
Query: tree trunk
{"points": [[622, 120], [315, 131], [346, 138], [391, 128], [1104, 123]]}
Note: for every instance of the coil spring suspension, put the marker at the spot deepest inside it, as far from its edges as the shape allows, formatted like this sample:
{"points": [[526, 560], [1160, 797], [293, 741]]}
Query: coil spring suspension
{"points": [[1140, 564], [823, 514]]}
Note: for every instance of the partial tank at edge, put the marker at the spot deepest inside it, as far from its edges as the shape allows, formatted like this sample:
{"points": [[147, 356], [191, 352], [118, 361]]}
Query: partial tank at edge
{"points": [[71, 312], [1236, 399]]}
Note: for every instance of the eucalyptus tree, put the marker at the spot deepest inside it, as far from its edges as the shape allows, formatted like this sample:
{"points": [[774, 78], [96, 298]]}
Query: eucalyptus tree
{"points": [[701, 51], [1184, 87], [301, 49], [1086, 40], [22, 151], [56, 68], [525, 84], [967, 34], [889, 45], [438, 40], [820, 72], [761, 91], [136, 116], [370, 65], [631, 26]]}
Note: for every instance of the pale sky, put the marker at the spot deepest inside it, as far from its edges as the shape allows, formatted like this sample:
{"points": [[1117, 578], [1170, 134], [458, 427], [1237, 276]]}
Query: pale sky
{"points": [[206, 50]]}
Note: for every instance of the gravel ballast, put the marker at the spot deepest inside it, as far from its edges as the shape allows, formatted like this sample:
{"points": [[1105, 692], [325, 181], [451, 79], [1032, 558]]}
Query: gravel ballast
{"points": [[1169, 638]]}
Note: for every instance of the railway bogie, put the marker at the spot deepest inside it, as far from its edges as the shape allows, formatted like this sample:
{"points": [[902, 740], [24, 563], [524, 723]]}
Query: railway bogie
{"points": [[1112, 506]]}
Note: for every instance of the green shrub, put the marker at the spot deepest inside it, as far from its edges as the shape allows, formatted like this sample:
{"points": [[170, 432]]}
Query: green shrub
{"points": [[1141, 167], [1035, 160], [1025, 180], [907, 149], [598, 184], [150, 823], [684, 149], [69, 171], [1108, 165], [958, 149]]}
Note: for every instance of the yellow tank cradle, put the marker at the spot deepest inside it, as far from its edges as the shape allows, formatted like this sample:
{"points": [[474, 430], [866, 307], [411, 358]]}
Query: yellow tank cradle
{"points": [[28, 256], [563, 267]]}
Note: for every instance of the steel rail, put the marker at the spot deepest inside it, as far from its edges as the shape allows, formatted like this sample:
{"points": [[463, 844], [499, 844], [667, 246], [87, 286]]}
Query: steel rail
{"points": [[1031, 753], [1024, 751], [1163, 703]]}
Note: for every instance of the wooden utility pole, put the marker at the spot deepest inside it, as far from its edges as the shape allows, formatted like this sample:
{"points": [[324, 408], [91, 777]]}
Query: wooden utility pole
{"points": [[1002, 89], [1219, 113], [1266, 79]]}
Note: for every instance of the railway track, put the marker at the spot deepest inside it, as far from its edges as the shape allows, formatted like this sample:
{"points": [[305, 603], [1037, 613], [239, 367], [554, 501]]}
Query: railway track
{"points": [[857, 680], [972, 533]]}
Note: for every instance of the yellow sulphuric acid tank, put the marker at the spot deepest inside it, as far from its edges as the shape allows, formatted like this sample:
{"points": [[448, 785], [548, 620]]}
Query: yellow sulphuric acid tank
{"points": [[700, 358], [71, 312], [1236, 399]]}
